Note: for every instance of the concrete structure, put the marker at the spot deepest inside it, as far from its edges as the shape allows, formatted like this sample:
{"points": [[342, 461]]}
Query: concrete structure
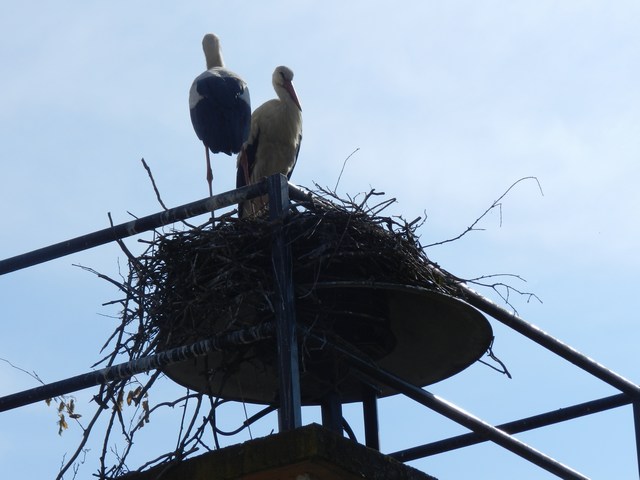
{"points": [[308, 453]]}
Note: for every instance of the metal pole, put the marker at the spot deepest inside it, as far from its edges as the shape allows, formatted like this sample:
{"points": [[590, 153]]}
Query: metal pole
{"points": [[331, 409], [128, 229], [517, 426], [302, 195], [636, 424], [543, 338], [290, 411], [456, 414], [370, 416], [126, 370]]}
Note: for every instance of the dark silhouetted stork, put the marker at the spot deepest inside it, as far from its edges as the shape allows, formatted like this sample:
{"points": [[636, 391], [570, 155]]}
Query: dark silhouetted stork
{"points": [[220, 106]]}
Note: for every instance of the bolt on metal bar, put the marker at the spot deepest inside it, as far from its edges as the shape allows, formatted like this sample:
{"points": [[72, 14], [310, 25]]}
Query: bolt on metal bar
{"points": [[126, 370], [128, 229], [517, 426], [290, 411], [549, 342], [454, 413]]}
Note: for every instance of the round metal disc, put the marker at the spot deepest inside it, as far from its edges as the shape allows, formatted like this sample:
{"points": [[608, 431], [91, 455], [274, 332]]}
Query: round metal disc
{"points": [[420, 335]]}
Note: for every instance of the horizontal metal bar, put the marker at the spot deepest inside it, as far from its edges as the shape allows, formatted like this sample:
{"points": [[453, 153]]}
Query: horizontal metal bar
{"points": [[549, 342], [454, 413], [126, 370], [133, 227], [301, 195], [298, 193], [517, 426]]}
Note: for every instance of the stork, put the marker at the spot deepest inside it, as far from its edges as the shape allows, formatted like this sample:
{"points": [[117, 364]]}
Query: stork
{"points": [[220, 106], [274, 139]]}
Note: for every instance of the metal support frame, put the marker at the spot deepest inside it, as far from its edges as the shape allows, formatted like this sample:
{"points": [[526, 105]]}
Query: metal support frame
{"points": [[454, 413], [290, 411], [285, 331]]}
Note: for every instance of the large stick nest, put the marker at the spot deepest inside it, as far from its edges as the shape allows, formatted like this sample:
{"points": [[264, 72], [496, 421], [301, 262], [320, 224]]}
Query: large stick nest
{"points": [[348, 263], [197, 280], [219, 277]]}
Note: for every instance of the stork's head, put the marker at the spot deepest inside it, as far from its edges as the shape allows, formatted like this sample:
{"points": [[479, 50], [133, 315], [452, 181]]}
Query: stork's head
{"points": [[212, 52], [283, 85]]}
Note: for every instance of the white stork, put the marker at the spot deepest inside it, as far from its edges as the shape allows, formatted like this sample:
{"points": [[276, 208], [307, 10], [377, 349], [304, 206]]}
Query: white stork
{"points": [[220, 106], [274, 139]]}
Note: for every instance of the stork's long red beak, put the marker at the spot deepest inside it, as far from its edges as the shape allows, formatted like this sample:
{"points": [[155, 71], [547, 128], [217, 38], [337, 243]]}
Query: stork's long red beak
{"points": [[292, 91]]}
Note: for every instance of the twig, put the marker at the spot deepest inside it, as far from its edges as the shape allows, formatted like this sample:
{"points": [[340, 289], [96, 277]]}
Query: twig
{"points": [[496, 204], [102, 276], [80, 449], [33, 375], [153, 183], [344, 164], [155, 189]]}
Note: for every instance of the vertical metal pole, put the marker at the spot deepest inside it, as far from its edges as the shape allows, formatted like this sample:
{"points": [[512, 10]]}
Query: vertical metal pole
{"points": [[290, 411], [370, 414], [332, 412], [636, 422]]}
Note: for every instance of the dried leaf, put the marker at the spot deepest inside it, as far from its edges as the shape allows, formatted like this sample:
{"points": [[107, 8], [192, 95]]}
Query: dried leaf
{"points": [[133, 395], [62, 424], [120, 401], [145, 407]]}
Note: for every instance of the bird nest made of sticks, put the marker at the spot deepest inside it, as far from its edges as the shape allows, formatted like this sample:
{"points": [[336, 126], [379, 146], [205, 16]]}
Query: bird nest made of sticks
{"points": [[345, 256]]}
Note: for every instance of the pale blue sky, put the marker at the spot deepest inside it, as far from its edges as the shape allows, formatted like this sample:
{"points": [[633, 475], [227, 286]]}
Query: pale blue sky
{"points": [[449, 104]]}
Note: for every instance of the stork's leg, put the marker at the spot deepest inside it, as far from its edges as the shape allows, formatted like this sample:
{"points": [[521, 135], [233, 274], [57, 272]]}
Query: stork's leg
{"points": [[242, 180], [209, 179], [243, 163], [209, 172]]}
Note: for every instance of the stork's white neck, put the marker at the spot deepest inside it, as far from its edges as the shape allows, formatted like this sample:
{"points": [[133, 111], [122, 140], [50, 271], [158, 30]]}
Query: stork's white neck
{"points": [[212, 53], [283, 95], [286, 96]]}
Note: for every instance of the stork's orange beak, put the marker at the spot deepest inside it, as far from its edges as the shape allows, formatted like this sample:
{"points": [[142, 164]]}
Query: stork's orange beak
{"points": [[292, 91]]}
